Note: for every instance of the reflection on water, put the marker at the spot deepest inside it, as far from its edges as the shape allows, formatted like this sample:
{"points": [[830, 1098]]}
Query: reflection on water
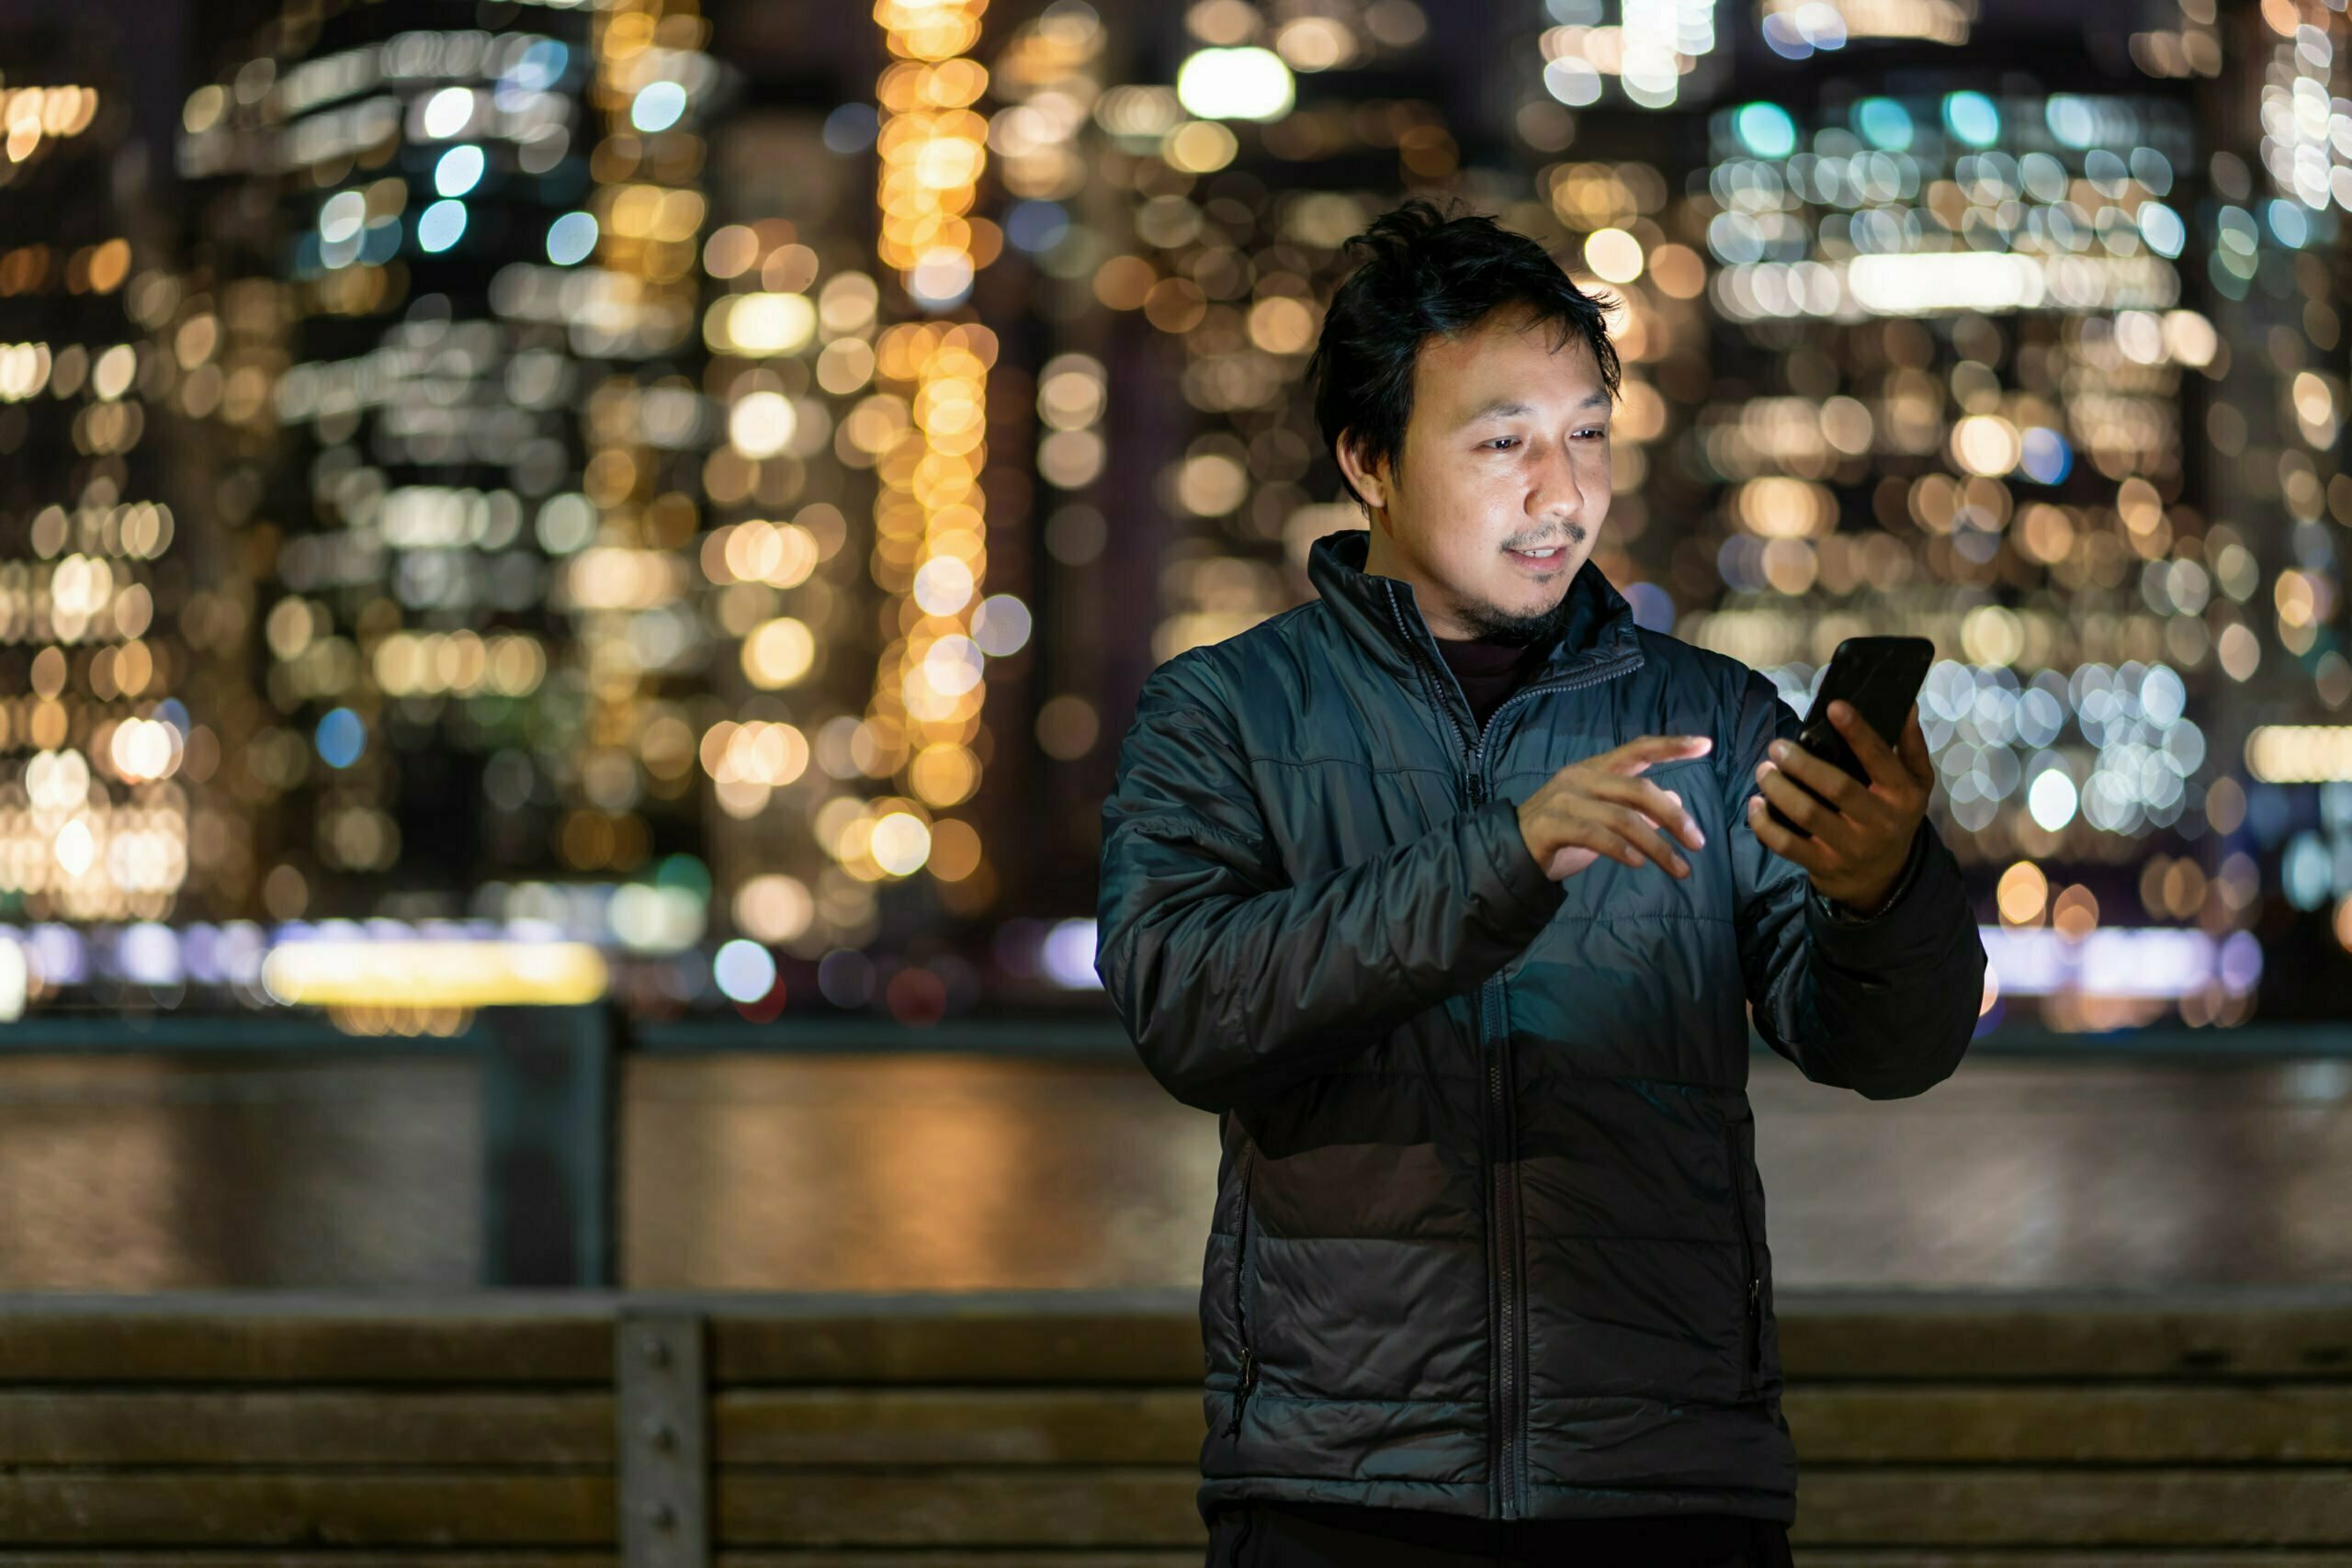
{"points": [[146, 1173], [909, 1173], [963, 1172], [2035, 1174], [955, 1172]]}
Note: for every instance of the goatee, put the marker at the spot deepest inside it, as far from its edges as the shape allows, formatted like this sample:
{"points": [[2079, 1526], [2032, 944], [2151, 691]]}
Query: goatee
{"points": [[1495, 623]]}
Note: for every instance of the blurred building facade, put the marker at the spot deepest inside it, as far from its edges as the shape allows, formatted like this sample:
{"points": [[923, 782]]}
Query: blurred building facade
{"points": [[108, 822]]}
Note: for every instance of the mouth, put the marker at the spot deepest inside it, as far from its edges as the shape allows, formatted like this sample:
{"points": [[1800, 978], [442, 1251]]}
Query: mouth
{"points": [[1543, 561]]}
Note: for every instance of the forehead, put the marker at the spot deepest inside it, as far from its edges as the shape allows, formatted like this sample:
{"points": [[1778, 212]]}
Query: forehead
{"points": [[1505, 358]]}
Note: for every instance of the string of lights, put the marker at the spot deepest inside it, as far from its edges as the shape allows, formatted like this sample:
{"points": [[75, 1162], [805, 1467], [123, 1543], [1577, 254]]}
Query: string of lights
{"points": [[930, 552]]}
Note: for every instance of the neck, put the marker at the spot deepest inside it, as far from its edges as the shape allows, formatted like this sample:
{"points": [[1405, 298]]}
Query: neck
{"points": [[1380, 558]]}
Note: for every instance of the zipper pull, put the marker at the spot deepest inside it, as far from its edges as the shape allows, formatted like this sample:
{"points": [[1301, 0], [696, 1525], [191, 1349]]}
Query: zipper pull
{"points": [[1241, 1399], [1756, 1321]]}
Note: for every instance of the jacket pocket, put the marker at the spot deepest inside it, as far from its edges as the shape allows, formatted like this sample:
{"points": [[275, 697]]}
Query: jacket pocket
{"points": [[1240, 1296], [1751, 1330]]}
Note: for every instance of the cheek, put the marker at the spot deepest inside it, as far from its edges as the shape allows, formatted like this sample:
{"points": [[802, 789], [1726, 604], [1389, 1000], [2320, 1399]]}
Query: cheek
{"points": [[1461, 518], [1595, 482], [1467, 559]]}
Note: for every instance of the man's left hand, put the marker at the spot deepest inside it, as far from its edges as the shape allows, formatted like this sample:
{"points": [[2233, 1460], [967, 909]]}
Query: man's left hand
{"points": [[1861, 832]]}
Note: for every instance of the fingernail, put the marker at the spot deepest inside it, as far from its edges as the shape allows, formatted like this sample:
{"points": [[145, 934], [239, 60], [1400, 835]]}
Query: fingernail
{"points": [[1777, 750], [1763, 768], [1697, 839], [1840, 712]]}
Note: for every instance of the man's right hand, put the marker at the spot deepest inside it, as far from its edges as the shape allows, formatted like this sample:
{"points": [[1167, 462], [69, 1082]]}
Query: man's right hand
{"points": [[1599, 806]]}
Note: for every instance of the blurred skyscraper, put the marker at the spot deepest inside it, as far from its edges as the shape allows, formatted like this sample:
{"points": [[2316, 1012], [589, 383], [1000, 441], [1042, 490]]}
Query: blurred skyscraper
{"points": [[456, 296], [111, 817]]}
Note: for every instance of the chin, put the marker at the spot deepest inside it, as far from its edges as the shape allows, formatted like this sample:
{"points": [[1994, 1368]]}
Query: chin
{"points": [[1543, 600], [1513, 612], [1521, 591]]}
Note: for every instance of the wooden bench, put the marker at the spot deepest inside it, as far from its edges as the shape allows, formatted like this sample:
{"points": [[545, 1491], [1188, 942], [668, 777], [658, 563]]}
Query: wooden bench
{"points": [[494, 1431]]}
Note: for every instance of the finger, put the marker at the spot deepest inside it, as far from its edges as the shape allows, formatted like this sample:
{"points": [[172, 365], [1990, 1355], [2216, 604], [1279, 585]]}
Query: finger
{"points": [[1635, 755], [1829, 827], [1642, 833], [1871, 749], [1600, 838], [1789, 846], [1660, 806], [1824, 778], [1915, 751]]}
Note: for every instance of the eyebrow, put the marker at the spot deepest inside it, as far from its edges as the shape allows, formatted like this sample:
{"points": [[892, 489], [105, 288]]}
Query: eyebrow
{"points": [[1508, 408]]}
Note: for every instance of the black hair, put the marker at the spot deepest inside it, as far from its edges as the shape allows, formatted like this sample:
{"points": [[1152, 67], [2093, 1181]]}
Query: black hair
{"points": [[1427, 274]]}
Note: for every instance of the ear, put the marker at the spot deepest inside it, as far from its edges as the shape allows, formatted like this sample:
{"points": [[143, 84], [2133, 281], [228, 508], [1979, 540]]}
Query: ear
{"points": [[1366, 482]]}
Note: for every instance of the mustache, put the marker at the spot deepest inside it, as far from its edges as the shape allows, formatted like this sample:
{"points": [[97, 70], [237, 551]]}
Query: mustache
{"points": [[1576, 536]]}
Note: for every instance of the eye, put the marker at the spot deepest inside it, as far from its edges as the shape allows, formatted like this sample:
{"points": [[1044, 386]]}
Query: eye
{"points": [[1496, 444], [1600, 432]]}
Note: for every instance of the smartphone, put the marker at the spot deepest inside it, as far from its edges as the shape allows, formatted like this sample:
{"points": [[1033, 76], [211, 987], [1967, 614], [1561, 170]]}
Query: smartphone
{"points": [[1881, 677]]}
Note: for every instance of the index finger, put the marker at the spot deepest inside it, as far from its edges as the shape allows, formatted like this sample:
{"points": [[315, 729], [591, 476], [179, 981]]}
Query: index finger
{"points": [[1913, 749], [1635, 755], [1875, 755]]}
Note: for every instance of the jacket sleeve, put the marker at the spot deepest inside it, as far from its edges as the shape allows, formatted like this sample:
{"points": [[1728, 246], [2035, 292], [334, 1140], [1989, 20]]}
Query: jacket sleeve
{"points": [[1883, 1005], [1237, 983]]}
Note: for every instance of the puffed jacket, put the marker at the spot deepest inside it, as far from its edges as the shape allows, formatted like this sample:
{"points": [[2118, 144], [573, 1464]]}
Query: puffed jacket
{"points": [[1488, 1237]]}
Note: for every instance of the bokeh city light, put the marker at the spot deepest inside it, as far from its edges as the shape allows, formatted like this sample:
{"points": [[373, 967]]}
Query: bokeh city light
{"points": [[558, 486]]}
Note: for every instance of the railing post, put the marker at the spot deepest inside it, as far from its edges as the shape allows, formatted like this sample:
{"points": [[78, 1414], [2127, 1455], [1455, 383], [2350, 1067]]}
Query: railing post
{"points": [[549, 1129], [662, 1443]]}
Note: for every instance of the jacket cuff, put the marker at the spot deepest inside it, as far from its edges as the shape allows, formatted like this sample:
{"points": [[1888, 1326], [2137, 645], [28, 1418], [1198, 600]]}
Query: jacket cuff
{"points": [[1526, 891], [1847, 915], [1929, 893]]}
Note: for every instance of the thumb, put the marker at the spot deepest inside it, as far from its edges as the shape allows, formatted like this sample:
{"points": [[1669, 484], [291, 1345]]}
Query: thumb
{"points": [[1568, 860]]}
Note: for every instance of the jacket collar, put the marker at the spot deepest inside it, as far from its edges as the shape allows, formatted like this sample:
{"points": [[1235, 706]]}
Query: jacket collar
{"points": [[1381, 614]]}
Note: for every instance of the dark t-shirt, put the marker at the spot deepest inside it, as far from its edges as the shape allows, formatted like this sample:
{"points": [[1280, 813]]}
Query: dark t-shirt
{"points": [[1490, 671]]}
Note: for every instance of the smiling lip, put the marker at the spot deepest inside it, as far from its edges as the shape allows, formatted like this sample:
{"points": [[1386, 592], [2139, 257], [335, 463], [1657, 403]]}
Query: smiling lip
{"points": [[1540, 563]]}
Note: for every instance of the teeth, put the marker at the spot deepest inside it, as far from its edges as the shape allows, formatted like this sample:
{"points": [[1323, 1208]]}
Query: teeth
{"points": [[1542, 555]]}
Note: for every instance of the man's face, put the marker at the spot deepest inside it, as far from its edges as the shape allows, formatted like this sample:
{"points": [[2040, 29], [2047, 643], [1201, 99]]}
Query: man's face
{"points": [[1506, 455]]}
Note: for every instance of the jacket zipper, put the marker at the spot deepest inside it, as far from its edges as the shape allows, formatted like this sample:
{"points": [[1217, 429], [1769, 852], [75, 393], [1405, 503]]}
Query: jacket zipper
{"points": [[1501, 1204], [1240, 1314], [1502, 1227], [1752, 1336]]}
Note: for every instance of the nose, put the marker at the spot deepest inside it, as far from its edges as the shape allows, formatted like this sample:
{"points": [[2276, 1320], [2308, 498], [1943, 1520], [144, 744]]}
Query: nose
{"points": [[1554, 491]]}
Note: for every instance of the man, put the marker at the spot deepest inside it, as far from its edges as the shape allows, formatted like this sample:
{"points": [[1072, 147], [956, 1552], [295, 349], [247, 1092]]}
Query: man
{"points": [[1448, 892]]}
